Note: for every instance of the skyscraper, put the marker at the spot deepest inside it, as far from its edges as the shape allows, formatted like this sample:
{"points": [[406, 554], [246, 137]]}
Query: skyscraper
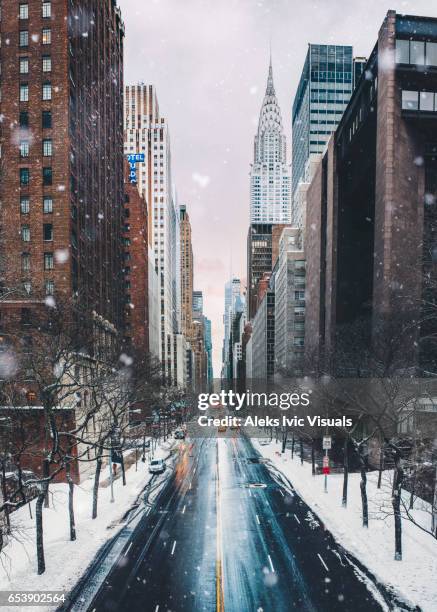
{"points": [[198, 302], [62, 188], [270, 174], [324, 90], [146, 133], [186, 264]]}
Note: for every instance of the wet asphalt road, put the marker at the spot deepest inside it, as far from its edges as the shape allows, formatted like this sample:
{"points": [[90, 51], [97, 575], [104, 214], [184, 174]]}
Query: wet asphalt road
{"points": [[226, 533]]}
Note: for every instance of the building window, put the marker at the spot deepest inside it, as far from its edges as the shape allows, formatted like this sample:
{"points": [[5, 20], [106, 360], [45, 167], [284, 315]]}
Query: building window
{"points": [[23, 38], [49, 263], [50, 287], [417, 52], [47, 147], [46, 91], [24, 148], [25, 233], [46, 63], [24, 176], [24, 205], [48, 232], [402, 51], [25, 262], [24, 11], [46, 36], [46, 9], [426, 99], [24, 119], [24, 92], [410, 100], [47, 204], [431, 54], [47, 176], [46, 119], [27, 286], [24, 65]]}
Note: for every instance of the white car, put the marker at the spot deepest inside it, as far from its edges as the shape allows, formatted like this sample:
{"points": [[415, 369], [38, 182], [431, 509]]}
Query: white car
{"points": [[157, 466]]}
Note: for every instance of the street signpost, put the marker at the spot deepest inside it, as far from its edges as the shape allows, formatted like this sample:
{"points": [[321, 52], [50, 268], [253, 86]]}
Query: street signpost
{"points": [[327, 443]]}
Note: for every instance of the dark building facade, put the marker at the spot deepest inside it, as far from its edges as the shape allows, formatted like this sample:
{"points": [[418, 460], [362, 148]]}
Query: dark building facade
{"points": [[136, 269], [62, 157], [371, 212], [262, 252]]}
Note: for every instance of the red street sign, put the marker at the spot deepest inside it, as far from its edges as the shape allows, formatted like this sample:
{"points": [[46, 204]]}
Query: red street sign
{"points": [[326, 469]]}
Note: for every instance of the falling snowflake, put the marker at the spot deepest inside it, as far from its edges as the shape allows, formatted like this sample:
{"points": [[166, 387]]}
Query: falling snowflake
{"points": [[50, 301], [201, 180], [61, 256]]}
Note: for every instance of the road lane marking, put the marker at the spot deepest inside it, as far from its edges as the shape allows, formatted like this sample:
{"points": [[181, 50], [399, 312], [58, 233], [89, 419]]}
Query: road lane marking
{"points": [[250, 492], [157, 608], [220, 606], [183, 509], [174, 546], [323, 563], [271, 564], [296, 518], [257, 519], [128, 549]]}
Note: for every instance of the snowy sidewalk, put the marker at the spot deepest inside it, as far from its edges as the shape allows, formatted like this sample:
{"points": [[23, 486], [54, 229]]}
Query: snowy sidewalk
{"points": [[414, 578], [65, 560]]}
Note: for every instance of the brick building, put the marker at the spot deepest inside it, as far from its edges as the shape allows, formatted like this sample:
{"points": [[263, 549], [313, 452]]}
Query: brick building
{"points": [[61, 138], [136, 268], [186, 273], [371, 213]]}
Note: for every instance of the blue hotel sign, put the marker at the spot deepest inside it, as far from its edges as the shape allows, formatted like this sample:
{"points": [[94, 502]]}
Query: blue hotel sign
{"points": [[134, 159]]}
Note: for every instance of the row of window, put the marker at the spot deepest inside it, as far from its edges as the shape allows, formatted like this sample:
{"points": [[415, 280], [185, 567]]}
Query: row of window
{"points": [[416, 52], [47, 233], [46, 91], [46, 10], [46, 119], [47, 176], [49, 287], [47, 148], [46, 64], [46, 37], [419, 100], [49, 262], [25, 205]]}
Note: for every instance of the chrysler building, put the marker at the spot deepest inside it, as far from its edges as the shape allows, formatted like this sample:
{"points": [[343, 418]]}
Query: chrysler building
{"points": [[270, 180]]}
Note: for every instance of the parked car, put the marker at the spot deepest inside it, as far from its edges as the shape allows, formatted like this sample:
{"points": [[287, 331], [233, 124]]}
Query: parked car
{"points": [[157, 466], [179, 435]]}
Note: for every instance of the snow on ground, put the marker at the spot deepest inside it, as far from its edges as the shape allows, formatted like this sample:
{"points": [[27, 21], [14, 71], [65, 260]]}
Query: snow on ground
{"points": [[414, 578], [65, 560]]}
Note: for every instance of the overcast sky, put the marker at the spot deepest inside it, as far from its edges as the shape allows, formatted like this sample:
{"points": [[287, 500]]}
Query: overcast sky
{"points": [[209, 61]]}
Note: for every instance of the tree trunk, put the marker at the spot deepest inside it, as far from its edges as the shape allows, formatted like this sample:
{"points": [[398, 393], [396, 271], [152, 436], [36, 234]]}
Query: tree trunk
{"points": [[5, 499], [301, 450], [123, 471], [313, 458], [363, 488], [46, 473], [396, 503], [292, 447], [96, 481], [381, 464], [71, 502], [434, 506], [345, 471], [40, 500]]}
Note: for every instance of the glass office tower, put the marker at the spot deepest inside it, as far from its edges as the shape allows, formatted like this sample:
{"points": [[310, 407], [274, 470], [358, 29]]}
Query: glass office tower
{"points": [[323, 93]]}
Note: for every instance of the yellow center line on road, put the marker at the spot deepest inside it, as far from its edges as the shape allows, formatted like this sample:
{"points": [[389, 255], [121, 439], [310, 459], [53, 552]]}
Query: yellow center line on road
{"points": [[220, 604]]}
